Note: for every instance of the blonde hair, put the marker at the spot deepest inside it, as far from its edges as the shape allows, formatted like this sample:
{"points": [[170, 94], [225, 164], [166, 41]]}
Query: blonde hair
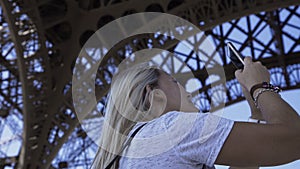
{"points": [[127, 104]]}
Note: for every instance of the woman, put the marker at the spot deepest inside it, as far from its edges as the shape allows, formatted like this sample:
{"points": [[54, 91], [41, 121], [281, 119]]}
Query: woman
{"points": [[152, 103]]}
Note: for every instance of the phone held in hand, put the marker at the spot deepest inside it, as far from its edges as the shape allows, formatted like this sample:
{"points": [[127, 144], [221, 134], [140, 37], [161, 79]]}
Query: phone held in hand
{"points": [[236, 58]]}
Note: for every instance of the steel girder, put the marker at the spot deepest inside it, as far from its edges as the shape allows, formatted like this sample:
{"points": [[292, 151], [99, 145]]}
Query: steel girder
{"points": [[43, 32]]}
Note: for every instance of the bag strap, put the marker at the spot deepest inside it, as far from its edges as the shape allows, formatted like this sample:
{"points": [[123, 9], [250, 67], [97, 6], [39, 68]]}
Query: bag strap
{"points": [[117, 157]]}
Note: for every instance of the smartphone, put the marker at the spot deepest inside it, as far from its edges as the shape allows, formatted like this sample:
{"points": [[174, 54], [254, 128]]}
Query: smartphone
{"points": [[236, 58]]}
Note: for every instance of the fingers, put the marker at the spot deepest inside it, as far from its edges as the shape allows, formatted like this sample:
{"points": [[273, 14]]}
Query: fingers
{"points": [[258, 62], [237, 73], [248, 60], [253, 73]]}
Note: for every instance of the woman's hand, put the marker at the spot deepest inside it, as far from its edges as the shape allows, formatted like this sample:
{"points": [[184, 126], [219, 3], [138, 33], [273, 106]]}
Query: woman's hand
{"points": [[253, 73], [275, 143], [255, 112]]}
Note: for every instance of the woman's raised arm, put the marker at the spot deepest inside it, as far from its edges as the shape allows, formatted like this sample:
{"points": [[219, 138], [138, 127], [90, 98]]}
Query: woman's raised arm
{"points": [[274, 143]]}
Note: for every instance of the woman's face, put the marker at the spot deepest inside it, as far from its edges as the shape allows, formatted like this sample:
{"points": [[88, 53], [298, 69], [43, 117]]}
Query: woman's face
{"points": [[177, 97]]}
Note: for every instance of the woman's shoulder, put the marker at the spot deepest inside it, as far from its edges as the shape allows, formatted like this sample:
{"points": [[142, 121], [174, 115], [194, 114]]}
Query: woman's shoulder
{"points": [[174, 120], [176, 114], [173, 117], [170, 119]]}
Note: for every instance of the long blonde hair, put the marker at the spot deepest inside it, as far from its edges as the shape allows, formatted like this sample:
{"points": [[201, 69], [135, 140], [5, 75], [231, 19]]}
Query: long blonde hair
{"points": [[127, 104]]}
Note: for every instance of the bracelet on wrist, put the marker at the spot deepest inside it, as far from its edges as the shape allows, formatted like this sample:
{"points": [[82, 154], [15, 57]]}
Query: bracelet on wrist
{"points": [[264, 85], [251, 120], [262, 90]]}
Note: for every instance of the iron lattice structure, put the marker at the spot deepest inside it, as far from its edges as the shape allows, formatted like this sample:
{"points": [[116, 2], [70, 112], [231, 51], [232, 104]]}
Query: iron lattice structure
{"points": [[41, 39]]}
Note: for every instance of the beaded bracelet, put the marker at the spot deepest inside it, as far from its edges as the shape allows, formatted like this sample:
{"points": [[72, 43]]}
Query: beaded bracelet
{"points": [[264, 85], [262, 90]]}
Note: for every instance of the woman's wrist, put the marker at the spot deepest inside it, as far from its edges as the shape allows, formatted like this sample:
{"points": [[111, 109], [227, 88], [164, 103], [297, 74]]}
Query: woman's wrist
{"points": [[257, 116], [255, 89], [251, 120]]}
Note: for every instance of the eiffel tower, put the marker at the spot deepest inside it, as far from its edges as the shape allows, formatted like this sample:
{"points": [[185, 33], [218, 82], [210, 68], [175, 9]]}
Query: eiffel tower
{"points": [[40, 41]]}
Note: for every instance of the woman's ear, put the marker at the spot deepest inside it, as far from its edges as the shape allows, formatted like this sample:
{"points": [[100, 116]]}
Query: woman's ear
{"points": [[155, 94], [157, 100], [159, 95]]}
